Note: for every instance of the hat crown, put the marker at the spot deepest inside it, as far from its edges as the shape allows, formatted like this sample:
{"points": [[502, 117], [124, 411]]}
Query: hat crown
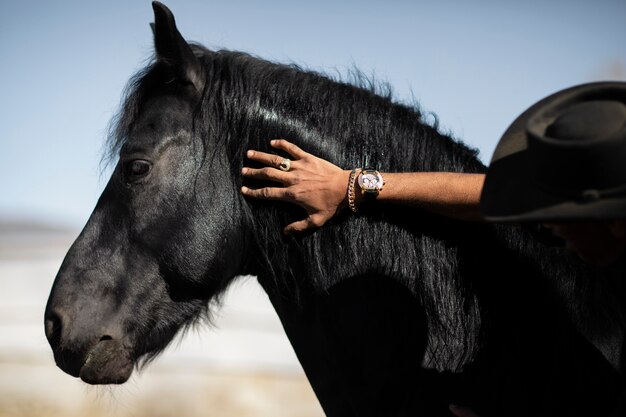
{"points": [[589, 121]]}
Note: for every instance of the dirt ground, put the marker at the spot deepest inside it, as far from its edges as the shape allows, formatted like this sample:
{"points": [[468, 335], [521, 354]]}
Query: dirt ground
{"points": [[159, 393]]}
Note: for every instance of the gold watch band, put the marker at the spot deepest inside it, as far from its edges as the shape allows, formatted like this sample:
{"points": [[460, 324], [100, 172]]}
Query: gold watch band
{"points": [[351, 189]]}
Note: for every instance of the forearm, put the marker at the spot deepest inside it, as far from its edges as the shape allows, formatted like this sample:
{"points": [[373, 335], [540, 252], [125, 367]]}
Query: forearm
{"points": [[449, 194], [322, 188]]}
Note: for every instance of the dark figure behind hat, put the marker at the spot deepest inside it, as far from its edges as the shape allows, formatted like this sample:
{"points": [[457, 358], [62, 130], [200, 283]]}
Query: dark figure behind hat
{"points": [[562, 164]]}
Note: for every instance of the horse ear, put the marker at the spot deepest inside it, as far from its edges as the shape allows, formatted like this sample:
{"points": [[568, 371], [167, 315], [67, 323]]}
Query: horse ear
{"points": [[172, 48]]}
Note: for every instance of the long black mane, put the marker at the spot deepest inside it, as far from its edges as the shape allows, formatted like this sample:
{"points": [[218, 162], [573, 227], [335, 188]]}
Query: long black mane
{"points": [[247, 101]]}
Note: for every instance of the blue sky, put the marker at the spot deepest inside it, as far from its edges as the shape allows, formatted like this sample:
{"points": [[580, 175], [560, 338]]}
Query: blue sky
{"points": [[477, 65]]}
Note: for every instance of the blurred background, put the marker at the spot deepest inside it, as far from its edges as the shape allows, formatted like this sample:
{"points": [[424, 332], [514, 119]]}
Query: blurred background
{"points": [[476, 65]]}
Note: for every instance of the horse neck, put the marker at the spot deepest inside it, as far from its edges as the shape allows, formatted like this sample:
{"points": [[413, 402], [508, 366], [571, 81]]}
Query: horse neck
{"points": [[340, 123], [343, 126]]}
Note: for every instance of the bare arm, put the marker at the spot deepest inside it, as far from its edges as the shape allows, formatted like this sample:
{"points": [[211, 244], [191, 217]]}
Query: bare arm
{"points": [[449, 194], [321, 187]]}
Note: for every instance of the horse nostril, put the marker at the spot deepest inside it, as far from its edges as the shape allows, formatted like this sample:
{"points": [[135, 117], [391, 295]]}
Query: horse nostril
{"points": [[106, 337], [54, 327]]}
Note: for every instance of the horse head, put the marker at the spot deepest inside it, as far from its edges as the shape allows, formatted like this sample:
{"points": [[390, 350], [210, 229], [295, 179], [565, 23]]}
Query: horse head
{"points": [[160, 242]]}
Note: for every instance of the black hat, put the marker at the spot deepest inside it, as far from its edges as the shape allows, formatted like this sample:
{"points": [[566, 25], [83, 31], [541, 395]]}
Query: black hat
{"points": [[563, 159]]}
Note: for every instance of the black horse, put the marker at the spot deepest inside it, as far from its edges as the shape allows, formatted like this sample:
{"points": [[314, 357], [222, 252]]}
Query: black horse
{"points": [[392, 312]]}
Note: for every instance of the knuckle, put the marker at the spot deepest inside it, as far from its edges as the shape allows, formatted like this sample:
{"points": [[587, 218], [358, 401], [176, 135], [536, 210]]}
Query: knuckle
{"points": [[300, 194], [290, 194], [265, 193]]}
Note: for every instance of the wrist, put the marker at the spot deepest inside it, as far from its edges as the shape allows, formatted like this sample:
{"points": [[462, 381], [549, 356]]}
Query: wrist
{"points": [[364, 185]]}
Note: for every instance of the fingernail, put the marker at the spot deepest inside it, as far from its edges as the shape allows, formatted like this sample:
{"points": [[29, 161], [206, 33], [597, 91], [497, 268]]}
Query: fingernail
{"points": [[249, 153], [244, 170], [273, 142], [244, 189]]}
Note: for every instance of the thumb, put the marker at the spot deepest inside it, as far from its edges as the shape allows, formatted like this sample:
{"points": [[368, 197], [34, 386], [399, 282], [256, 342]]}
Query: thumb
{"points": [[300, 226]]}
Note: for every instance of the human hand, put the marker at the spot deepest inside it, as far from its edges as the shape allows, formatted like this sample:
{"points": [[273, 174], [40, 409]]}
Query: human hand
{"points": [[315, 184]]}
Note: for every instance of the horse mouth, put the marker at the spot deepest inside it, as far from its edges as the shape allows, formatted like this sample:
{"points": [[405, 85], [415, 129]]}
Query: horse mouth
{"points": [[108, 362]]}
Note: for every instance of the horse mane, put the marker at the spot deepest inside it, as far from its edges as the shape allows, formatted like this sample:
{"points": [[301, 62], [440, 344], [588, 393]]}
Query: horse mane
{"points": [[247, 101]]}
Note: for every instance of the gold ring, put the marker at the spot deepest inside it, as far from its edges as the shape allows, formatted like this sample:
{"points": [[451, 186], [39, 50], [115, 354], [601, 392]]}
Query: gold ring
{"points": [[285, 165]]}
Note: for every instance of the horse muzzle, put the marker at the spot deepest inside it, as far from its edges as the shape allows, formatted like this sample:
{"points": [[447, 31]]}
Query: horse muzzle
{"points": [[108, 362]]}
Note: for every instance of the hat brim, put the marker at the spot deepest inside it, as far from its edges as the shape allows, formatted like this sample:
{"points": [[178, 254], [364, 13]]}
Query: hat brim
{"points": [[509, 195]]}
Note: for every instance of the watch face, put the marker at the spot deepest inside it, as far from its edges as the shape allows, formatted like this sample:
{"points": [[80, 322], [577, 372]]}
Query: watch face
{"points": [[370, 181]]}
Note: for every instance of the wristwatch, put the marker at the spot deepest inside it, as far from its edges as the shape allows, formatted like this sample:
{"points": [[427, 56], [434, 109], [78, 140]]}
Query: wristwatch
{"points": [[371, 183]]}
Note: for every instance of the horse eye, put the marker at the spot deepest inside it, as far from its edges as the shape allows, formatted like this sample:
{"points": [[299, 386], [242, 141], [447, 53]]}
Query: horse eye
{"points": [[137, 169]]}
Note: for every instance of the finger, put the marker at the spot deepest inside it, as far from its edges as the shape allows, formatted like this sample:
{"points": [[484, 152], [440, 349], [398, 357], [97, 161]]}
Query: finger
{"points": [[311, 222], [289, 147], [462, 411], [267, 193], [267, 173], [265, 158]]}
